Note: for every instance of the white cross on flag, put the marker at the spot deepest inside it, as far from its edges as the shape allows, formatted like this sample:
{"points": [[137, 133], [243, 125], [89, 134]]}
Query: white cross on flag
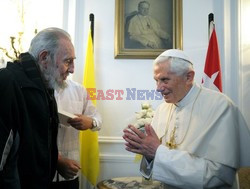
{"points": [[212, 71]]}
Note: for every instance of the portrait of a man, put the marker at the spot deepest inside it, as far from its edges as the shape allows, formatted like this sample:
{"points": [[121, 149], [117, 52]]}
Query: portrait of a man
{"points": [[148, 24]]}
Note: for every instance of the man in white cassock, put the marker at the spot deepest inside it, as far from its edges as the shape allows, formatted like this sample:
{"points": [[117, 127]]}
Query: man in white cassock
{"points": [[146, 30], [198, 137]]}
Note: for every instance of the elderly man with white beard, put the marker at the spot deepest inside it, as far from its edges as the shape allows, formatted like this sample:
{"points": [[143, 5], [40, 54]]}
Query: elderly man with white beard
{"points": [[28, 113]]}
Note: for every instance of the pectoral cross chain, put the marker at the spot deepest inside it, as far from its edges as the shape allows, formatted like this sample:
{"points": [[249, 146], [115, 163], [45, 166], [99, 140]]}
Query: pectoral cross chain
{"points": [[172, 143]]}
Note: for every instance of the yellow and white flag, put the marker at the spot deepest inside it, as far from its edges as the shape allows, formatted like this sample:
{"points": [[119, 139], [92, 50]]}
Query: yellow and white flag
{"points": [[89, 147]]}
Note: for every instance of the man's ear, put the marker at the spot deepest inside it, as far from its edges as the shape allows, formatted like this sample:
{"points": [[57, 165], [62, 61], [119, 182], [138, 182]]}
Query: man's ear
{"points": [[43, 58], [190, 76]]}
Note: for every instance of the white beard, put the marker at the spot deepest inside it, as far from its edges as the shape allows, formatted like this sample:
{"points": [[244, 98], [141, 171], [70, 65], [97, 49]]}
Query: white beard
{"points": [[53, 77]]}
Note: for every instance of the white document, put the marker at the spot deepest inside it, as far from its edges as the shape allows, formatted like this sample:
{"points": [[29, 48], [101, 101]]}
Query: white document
{"points": [[64, 116]]}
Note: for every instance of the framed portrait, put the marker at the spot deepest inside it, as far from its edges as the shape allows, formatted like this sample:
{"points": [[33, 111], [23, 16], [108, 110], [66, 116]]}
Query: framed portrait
{"points": [[145, 28]]}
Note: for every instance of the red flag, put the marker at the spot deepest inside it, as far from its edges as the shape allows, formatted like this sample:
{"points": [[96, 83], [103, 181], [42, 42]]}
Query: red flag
{"points": [[212, 71]]}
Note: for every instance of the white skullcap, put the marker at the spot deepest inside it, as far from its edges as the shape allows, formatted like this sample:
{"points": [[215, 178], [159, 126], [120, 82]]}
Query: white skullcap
{"points": [[176, 53]]}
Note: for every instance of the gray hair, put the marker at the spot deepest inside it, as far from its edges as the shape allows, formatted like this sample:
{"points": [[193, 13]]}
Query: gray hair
{"points": [[178, 66], [47, 39], [142, 2]]}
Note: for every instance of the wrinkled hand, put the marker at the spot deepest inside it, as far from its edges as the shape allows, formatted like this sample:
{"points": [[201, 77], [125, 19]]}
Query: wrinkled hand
{"points": [[141, 143], [81, 122], [67, 168]]}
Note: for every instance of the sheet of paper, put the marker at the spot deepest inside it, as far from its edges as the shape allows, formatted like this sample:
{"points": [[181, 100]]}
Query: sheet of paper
{"points": [[64, 116]]}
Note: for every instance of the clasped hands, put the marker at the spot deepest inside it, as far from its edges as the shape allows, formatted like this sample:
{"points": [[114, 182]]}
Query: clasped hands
{"points": [[142, 143]]}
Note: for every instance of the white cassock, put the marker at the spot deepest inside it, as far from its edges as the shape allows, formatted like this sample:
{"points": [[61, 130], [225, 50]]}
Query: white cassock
{"points": [[73, 99], [212, 141], [145, 29]]}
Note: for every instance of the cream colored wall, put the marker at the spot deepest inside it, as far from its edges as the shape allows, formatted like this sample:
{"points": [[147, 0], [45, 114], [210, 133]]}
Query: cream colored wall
{"points": [[120, 74], [244, 52]]}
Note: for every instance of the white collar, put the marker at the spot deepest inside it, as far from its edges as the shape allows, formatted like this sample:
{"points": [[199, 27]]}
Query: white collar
{"points": [[190, 96]]}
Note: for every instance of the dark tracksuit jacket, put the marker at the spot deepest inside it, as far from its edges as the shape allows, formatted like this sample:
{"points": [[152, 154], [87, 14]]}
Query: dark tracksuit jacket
{"points": [[28, 112]]}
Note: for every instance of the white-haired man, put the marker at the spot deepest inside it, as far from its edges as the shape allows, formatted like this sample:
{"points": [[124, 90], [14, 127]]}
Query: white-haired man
{"points": [[28, 113], [198, 137]]}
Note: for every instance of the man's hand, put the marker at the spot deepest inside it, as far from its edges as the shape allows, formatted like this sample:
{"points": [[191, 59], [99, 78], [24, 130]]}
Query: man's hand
{"points": [[141, 143], [67, 168], [81, 122], [152, 45]]}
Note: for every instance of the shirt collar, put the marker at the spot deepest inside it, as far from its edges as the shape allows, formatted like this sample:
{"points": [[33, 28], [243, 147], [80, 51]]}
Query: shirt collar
{"points": [[190, 96]]}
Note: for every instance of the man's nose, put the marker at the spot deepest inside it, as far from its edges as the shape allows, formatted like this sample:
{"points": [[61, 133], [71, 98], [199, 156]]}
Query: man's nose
{"points": [[159, 87], [71, 68]]}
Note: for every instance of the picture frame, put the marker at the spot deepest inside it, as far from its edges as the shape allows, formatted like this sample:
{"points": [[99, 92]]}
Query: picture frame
{"points": [[132, 29]]}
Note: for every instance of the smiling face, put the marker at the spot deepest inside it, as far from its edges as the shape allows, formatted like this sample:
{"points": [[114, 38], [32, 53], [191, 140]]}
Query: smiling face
{"points": [[172, 87]]}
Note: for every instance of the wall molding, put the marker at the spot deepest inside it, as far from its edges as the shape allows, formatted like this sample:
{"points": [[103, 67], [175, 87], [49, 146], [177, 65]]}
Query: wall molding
{"points": [[111, 139], [112, 149], [116, 158]]}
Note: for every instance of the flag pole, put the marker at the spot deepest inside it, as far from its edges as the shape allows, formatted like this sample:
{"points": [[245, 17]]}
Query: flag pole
{"points": [[210, 24], [91, 19]]}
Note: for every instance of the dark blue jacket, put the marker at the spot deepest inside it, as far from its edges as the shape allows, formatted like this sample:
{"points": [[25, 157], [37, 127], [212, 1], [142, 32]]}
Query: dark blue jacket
{"points": [[34, 117]]}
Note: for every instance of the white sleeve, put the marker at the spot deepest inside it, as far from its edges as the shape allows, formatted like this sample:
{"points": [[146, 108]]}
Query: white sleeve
{"points": [[181, 169], [157, 28], [136, 32]]}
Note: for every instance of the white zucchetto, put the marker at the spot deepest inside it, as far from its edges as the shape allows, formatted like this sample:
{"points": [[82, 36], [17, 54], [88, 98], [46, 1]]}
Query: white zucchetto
{"points": [[176, 53]]}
